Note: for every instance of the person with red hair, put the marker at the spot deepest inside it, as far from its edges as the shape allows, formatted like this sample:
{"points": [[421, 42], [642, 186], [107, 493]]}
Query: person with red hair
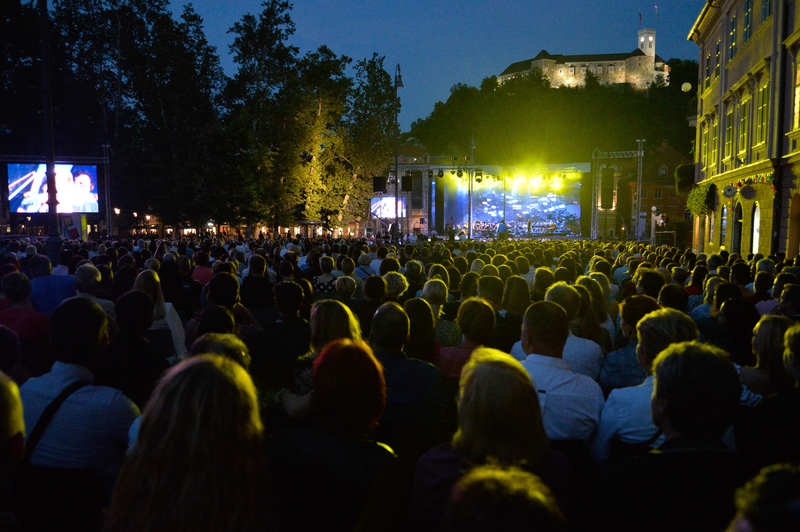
{"points": [[324, 472]]}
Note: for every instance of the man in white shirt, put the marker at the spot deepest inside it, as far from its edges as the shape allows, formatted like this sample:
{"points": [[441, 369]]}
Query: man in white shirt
{"points": [[571, 403], [583, 356], [626, 414]]}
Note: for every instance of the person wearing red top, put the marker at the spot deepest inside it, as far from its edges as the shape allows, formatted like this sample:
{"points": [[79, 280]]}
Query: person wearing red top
{"points": [[476, 319], [31, 327], [202, 272]]}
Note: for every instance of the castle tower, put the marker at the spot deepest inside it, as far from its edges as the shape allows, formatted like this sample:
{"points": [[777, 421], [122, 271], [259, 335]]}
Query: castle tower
{"points": [[647, 41]]}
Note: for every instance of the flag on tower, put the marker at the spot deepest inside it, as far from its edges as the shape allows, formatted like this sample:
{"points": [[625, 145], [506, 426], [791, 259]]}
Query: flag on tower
{"points": [[640, 18]]}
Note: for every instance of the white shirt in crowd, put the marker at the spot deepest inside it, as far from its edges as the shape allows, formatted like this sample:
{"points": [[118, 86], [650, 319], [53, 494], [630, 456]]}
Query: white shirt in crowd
{"points": [[583, 356], [571, 403], [626, 416]]}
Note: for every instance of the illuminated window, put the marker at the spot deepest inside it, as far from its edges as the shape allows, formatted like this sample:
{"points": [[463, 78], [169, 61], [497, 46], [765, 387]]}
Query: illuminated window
{"points": [[732, 45], [708, 70], [572, 71], [719, 57], [743, 125], [796, 119], [748, 18], [704, 146], [766, 9], [763, 110], [714, 143], [728, 133]]}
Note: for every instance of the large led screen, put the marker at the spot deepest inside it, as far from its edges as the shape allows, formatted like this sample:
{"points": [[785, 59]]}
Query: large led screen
{"points": [[384, 207], [76, 186]]}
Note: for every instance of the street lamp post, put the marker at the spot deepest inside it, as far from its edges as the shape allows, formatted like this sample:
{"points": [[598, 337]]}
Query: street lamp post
{"points": [[398, 84]]}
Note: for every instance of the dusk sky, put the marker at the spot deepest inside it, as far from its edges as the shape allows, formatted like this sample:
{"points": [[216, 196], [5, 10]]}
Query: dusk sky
{"points": [[439, 43]]}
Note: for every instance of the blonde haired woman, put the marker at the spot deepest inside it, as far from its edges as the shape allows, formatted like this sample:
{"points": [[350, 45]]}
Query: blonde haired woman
{"points": [[165, 317], [198, 463], [499, 418], [447, 332]]}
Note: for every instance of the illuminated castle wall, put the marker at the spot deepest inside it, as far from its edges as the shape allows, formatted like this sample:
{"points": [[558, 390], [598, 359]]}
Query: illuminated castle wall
{"points": [[638, 68]]}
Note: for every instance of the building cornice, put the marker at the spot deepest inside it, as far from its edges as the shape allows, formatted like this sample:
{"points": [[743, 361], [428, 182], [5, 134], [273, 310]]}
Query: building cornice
{"points": [[707, 19]]}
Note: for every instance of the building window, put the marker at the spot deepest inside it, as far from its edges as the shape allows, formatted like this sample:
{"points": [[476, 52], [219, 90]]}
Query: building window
{"points": [[723, 225], [611, 70], [796, 119], [571, 71], [560, 70], [728, 133], [714, 142], [748, 18], [644, 193], [766, 9], [745, 107], [719, 58], [732, 45], [708, 70], [704, 146], [658, 193], [583, 70], [763, 110]]}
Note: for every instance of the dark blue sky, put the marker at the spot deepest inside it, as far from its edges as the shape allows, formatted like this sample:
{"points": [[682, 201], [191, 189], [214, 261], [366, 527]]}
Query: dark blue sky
{"points": [[439, 43]]}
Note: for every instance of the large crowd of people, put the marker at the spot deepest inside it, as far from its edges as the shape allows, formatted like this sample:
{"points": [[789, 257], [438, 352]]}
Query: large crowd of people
{"points": [[341, 384]]}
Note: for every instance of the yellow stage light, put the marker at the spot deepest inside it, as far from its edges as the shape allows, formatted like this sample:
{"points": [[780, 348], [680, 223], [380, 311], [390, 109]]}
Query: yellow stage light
{"points": [[536, 182]]}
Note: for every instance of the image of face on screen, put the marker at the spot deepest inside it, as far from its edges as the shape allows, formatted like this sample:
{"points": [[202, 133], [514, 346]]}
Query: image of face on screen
{"points": [[76, 188]]}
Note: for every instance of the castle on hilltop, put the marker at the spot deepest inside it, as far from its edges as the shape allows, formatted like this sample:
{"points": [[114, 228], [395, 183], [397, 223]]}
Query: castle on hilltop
{"points": [[638, 68]]}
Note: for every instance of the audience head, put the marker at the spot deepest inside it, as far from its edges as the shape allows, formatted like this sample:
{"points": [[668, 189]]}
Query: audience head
{"points": [[696, 391], [222, 344], [79, 330], [633, 309], [770, 502], [566, 296], [216, 319], [374, 288], [493, 497], [16, 287], [345, 287], [288, 298], [476, 319], [185, 445], [12, 426], [674, 296], [349, 388], [331, 320], [87, 279], [490, 288], [659, 329], [223, 290], [791, 352], [40, 266], [545, 329], [390, 328], [134, 312], [498, 413], [396, 285]]}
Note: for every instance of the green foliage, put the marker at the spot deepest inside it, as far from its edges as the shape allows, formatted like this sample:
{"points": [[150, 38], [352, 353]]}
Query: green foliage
{"points": [[684, 179], [524, 121], [700, 200], [285, 137]]}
